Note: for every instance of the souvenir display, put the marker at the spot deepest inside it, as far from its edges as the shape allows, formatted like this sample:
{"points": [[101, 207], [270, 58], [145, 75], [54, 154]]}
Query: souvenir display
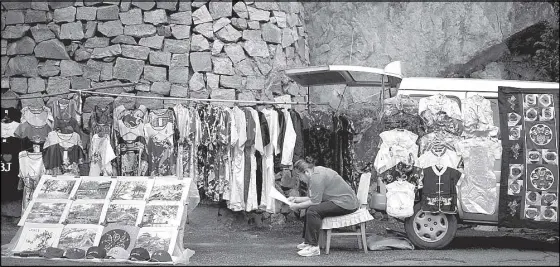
{"points": [[93, 188], [131, 188], [529, 182], [119, 235], [45, 211], [157, 238], [125, 212], [167, 189], [86, 212], [162, 213], [50, 187]]}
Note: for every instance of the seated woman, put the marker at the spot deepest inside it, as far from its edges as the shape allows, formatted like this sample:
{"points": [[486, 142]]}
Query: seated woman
{"points": [[328, 195]]}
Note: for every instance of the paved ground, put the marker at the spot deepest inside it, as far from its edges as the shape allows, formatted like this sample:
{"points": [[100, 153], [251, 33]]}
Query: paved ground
{"points": [[215, 243]]}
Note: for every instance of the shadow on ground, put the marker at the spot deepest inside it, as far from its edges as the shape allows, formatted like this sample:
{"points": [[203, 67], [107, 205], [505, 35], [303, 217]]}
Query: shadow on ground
{"points": [[501, 242]]}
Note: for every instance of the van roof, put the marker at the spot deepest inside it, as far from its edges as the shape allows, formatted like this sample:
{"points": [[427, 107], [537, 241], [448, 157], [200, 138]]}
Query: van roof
{"points": [[468, 84]]}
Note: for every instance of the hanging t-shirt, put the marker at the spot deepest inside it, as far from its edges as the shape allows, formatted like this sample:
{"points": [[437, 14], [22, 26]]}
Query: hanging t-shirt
{"points": [[32, 137], [299, 147], [478, 117], [8, 129], [30, 172], [63, 153], [131, 142], [403, 172], [236, 202], [101, 120], [67, 109], [441, 113], [37, 116], [100, 155], [439, 193], [400, 199], [478, 189], [289, 140], [161, 150], [397, 145]]}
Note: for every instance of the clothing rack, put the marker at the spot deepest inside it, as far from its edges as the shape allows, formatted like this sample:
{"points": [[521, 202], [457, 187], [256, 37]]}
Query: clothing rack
{"points": [[92, 89]]}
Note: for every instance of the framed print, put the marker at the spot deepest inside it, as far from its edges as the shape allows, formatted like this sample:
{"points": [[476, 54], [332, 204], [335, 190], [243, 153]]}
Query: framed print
{"points": [[162, 214], [92, 187], [86, 212], [45, 211], [82, 236], [131, 188], [115, 235], [59, 187], [36, 236], [125, 212], [169, 189], [157, 238]]}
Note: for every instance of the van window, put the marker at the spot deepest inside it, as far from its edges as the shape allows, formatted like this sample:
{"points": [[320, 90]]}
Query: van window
{"points": [[452, 97]]}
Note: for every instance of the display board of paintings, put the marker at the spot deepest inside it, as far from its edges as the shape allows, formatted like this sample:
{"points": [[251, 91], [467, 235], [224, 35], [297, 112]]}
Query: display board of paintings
{"points": [[81, 212]]}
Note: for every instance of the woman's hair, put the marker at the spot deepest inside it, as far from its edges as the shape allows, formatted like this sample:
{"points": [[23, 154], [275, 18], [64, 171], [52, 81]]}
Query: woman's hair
{"points": [[304, 164]]}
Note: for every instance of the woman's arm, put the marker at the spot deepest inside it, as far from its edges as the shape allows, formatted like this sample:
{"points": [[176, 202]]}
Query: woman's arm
{"points": [[303, 205], [298, 199]]}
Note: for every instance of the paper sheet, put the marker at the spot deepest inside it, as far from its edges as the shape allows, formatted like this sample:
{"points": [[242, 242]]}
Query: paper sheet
{"points": [[279, 196]]}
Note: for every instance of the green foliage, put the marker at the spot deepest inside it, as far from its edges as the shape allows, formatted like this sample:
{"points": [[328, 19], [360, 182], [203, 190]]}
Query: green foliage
{"points": [[546, 56]]}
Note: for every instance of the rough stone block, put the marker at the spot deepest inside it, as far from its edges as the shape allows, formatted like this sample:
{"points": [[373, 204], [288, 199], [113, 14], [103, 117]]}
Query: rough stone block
{"points": [[111, 28], [143, 86], [144, 5], [199, 43], [219, 24], [253, 25], [77, 82], [179, 91], [58, 85], [228, 34], [125, 5], [241, 10], [160, 58], [128, 69], [222, 65], [239, 23], [14, 32], [115, 88], [217, 47], [131, 17], [154, 42], [35, 16], [212, 80], [91, 29], [184, 18], [168, 5], [43, 6], [180, 31], [255, 83], [201, 15], [108, 13], [176, 46], [179, 75], [135, 51], [201, 61], [41, 32], [255, 35], [149, 103], [70, 68], [59, 5], [67, 14], [180, 60], [228, 94], [72, 31], [184, 6], [155, 17], [256, 48], [55, 28], [246, 68], [140, 30], [124, 39], [235, 52], [99, 101], [23, 46], [196, 82], [257, 14], [82, 55], [154, 74], [86, 13], [125, 100], [164, 30], [35, 85], [220, 9], [271, 33], [109, 51], [231, 81], [162, 88], [205, 29], [48, 70], [97, 42], [23, 65], [18, 85]]}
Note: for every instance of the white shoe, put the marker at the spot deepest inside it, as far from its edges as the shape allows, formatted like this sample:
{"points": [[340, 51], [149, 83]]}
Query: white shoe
{"points": [[310, 251], [302, 245]]}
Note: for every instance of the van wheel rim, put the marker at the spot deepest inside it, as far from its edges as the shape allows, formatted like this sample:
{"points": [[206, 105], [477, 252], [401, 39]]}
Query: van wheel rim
{"points": [[430, 227]]}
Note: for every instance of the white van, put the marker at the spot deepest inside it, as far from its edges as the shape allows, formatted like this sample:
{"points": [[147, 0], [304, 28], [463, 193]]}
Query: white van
{"points": [[441, 229]]}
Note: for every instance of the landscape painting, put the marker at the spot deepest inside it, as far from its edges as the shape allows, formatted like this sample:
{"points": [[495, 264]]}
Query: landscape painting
{"points": [[93, 188], [55, 187], [38, 236], [166, 189], [162, 213], [86, 212], [45, 211], [131, 188], [125, 212], [157, 238], [82, 236]]}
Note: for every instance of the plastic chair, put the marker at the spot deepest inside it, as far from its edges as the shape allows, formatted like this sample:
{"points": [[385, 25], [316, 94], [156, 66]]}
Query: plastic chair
{"points": [[357, 218]]}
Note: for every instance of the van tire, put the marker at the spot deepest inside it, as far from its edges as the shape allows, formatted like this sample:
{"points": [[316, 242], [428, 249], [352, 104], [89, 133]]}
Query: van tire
{"points": [[443, 230]]}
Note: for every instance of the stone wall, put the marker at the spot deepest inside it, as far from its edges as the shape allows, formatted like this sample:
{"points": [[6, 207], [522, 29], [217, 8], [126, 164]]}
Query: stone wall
{"points": [[200, 49]]}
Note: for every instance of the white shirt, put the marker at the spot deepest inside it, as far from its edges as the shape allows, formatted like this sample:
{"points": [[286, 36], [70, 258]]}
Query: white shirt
{"points": [[400, 199], [289, 140]]}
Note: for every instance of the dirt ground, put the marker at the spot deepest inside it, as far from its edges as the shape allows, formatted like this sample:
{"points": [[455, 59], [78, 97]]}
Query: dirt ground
{"points": [[220, 240]]}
